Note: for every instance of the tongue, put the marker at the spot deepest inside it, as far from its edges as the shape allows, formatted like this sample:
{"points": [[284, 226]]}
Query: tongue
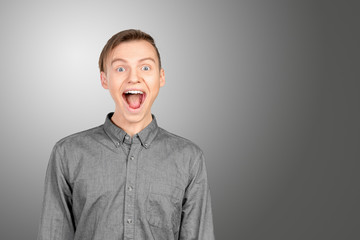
{"points": [[134, 100]]}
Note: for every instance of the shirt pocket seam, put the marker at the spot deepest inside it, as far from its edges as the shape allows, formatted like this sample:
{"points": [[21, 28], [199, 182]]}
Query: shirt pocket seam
{"points": [[173, 195]]}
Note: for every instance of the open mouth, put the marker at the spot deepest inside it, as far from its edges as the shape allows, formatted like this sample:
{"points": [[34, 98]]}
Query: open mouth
{"points": [[134, 98]]}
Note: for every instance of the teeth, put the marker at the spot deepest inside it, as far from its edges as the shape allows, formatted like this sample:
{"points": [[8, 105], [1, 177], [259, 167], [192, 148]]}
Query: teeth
{"points": [[134, 92]]}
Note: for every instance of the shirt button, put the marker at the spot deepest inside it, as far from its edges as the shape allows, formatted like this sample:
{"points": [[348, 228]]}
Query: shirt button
{"points": [[132, 158], [146, 145], [127, 137], [117, 144], [129, 220], [130, 188]]}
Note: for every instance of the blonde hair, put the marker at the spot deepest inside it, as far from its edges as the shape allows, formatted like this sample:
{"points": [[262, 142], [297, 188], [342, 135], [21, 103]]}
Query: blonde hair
{"points": [[125, 36]]}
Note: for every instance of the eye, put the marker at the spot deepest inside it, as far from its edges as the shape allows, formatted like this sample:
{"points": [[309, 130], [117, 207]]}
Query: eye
{"points": [[145, 68], [120, 69]]}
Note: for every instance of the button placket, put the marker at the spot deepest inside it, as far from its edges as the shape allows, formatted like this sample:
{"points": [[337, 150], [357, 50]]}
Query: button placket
{"points": [[129, 216]]}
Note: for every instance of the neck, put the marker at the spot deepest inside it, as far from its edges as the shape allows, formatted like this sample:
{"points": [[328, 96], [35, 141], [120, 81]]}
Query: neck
{"points": [[131, 128]]}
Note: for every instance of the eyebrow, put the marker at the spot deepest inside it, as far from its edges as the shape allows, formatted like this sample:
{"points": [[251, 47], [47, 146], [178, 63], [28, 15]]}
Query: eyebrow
{"points": [[141, 60]]}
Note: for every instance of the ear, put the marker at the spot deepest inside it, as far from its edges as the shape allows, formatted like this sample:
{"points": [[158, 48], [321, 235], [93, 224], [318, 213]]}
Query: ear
{"points": [[162, 77], [104, 82]]}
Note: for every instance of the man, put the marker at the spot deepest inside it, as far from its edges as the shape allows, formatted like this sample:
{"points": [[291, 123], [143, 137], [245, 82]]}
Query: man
{"points": [[128, 178]]}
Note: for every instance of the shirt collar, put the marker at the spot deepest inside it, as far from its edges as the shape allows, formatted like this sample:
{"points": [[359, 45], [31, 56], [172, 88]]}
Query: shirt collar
{"points": [[119, 136]]}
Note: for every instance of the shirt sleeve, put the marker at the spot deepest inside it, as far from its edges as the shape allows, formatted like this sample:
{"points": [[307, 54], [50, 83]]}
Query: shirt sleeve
{"points": [[56, 221], [196, 220]]}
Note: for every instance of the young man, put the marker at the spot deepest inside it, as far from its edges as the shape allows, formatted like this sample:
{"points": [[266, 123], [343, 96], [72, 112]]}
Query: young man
{"points": [[128, 178]]}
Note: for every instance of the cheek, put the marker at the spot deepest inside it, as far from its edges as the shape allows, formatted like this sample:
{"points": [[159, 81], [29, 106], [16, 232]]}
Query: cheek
{"points": [[115, 83], [152, 81], [154, 91]]}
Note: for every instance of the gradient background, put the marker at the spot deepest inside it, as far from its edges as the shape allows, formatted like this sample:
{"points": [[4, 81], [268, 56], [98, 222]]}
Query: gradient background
{"points": [[268, 89]]}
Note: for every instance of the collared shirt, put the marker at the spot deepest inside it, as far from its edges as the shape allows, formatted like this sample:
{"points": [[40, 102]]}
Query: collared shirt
{"points": [[102, 184]]}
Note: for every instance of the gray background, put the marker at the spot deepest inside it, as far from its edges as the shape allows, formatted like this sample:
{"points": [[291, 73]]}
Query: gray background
{"points": [[268, 89]]}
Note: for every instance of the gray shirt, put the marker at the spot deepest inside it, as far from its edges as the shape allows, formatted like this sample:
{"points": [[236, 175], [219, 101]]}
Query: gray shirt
{"points": [[103, 184]]}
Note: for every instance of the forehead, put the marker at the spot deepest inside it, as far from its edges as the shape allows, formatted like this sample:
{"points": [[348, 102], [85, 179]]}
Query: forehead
{"points": [[133, 50]]}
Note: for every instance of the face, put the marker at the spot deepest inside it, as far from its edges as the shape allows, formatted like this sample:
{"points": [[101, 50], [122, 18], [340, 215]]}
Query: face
{"points": [[133, 78]]}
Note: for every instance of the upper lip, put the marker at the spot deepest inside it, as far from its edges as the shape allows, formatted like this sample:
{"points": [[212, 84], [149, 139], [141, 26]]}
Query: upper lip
{"points": [[134, 89]]}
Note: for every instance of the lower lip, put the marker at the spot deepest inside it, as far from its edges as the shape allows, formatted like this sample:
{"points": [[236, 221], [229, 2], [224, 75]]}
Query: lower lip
{"points": [[135, 110]]}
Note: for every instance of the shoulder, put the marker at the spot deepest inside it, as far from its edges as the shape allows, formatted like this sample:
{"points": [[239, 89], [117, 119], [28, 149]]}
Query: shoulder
{"points": [[178, 143], [79, 139], [183, 151]]}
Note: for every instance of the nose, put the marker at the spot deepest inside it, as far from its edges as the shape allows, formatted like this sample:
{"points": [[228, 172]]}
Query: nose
{"points": [[134, 76]]}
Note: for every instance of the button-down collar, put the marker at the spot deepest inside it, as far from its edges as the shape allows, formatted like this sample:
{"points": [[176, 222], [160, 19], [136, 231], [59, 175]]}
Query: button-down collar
{"points": [[119, 136]]}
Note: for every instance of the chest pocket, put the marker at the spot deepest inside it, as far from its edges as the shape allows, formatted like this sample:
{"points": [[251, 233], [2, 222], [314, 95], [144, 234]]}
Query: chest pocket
{"points": [[164, 206]]}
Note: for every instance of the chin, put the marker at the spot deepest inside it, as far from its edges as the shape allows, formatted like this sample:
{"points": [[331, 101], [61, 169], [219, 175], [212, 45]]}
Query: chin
{"points": [[134, 118]]}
